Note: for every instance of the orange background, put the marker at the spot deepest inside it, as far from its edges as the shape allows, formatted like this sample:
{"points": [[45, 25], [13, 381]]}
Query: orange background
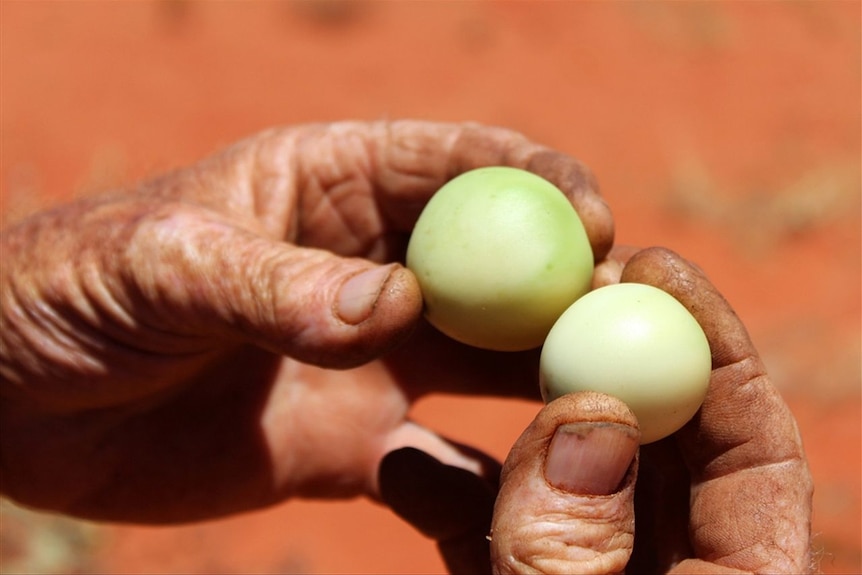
{"points": [[727, 131]]}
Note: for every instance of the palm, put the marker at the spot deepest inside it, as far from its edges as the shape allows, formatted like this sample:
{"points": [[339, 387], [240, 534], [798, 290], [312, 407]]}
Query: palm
{"points": [[252, 428]]}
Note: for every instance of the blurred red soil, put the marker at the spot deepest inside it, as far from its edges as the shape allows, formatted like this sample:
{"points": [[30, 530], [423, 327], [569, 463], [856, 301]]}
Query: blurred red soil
{"points": [[727, 131]]}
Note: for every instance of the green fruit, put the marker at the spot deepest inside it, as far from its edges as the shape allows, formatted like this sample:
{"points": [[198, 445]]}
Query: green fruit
{"points": [[499, 254], [637, 343]]}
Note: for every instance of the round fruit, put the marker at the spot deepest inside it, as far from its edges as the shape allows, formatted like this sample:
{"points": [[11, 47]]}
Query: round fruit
{"points": [[499, 254], [637, 343]]}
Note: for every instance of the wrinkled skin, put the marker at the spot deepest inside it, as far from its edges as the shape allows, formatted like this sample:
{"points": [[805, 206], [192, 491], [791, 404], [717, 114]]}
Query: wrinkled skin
{"points": [[730, 492], [209, 343]]}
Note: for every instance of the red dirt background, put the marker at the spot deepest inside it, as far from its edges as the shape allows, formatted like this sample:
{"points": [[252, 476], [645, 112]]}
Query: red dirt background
{"points": [[727, 131]]}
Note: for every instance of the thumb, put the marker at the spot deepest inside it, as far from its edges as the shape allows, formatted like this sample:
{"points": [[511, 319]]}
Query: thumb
{"points": [[566, 502], [341, 312], [218, 279]]}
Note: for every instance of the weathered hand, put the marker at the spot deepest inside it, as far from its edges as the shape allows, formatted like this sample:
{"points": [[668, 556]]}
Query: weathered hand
{"points": [[211, 342], [728, 493]]}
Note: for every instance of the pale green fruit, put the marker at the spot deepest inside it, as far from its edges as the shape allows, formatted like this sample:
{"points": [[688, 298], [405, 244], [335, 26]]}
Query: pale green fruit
{"points": [[637, 343], [499, 254]]}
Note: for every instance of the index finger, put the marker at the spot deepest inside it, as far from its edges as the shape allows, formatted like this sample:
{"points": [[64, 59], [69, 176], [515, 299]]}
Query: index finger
{"points": [[412, 159], [751, 487]]}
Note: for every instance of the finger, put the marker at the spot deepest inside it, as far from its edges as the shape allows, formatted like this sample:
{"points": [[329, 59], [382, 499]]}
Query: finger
{"points": [[444, 502], [475, 146], [567, 490], [200, 275], [407, 161], [609, 270], [743, 447], [445, 490]]}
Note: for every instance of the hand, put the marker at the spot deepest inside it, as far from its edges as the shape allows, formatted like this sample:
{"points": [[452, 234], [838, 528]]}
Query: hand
{"points": [[728, 493], [239, 332]]}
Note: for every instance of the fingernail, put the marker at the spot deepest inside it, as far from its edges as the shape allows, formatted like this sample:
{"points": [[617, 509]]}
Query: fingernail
{"points": [[359, 294], [590, 458]]}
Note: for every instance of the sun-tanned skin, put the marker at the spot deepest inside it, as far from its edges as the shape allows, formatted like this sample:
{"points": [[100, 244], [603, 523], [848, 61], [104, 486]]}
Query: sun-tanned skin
{"points": [[731, 489], [240, 332]]}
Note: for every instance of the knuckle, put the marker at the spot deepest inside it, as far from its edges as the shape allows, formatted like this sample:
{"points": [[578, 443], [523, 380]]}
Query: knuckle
{"points": [[564, 545]]}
